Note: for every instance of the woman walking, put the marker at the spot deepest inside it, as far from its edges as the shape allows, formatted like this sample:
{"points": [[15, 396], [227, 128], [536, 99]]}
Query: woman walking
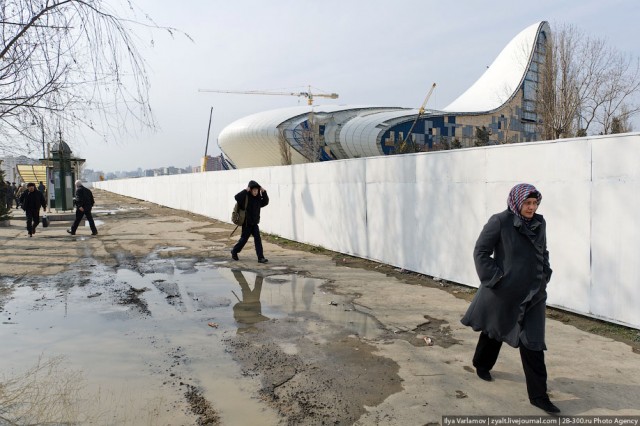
{"points": [[512, 262]]}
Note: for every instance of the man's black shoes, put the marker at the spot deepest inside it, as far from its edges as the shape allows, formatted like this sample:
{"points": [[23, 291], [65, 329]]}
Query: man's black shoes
{"points": [[234, 255], [262, 260], [484, 374], [94, 233], [546, 405], [69, 231]]}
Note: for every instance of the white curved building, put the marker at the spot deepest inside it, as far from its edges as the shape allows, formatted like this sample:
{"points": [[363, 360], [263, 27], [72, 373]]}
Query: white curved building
{"points": [[498, 108]]}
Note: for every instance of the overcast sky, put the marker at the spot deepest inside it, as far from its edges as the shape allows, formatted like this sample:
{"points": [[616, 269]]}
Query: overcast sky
{"points": [[370, 52]]}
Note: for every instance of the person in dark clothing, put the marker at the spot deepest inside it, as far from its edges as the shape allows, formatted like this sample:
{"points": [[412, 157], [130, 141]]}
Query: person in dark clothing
{"points": [[512, 262], [32, 201], [14, 195], [255, 197], [8, 196], [84, 204], [5, 188], [20, 190], [41, 187]]}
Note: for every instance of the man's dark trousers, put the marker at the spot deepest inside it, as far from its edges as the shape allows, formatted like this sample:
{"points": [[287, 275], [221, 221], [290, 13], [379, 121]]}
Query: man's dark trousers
{"points": [[535, 371], [247, 231], [79, 214], [33, 219]]}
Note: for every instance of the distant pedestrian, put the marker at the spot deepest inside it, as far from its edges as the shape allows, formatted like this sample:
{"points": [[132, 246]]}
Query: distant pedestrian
{"points": [[41, 187], [15, 193], [32, 201], [84, 203], [512, 262], [5, 187], [19, 194], [9, 196], [255, 198]]}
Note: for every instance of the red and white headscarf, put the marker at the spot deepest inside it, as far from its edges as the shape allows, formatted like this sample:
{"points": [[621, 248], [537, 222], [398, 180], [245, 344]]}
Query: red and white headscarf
{"points": [[518, 194]]}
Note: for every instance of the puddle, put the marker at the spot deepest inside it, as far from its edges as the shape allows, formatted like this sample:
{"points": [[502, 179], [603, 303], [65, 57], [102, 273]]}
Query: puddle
{"points": [[143, 340], [165, 249]]}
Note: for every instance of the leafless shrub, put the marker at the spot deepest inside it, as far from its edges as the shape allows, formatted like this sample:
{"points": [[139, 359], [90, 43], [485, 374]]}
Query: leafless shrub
{"points": [[44, 394]]}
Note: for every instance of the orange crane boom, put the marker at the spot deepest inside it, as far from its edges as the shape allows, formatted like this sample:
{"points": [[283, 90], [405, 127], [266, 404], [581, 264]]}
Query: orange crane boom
{"points": [[308, 94]]}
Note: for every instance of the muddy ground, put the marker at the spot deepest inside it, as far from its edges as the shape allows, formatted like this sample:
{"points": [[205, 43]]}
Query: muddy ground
{"points": [[151, 322]]}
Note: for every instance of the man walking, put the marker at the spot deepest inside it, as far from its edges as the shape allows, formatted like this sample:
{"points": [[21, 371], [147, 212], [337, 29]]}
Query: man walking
{"points": [[32, 201], [254, 197], [84, 204]]}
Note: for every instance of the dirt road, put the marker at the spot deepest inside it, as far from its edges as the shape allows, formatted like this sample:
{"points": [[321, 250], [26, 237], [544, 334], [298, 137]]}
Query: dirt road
{"points": [[151, 322]]}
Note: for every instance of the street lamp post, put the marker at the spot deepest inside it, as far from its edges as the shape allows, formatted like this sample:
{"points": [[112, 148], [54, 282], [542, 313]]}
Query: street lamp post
{"points": [[46, 165]]}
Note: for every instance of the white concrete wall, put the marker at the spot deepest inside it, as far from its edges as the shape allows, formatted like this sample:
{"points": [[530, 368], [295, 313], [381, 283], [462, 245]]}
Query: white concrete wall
{"points": [[423, 212]]}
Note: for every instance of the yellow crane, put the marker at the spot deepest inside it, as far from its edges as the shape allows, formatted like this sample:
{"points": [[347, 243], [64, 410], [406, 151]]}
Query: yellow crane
{"points": [[308, 94], [404, 143]]}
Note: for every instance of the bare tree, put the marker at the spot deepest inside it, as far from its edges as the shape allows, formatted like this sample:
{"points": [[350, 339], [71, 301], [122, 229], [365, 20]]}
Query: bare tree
{"points": [[617, 96], [558, 99], [67, 64], [584, 84]]}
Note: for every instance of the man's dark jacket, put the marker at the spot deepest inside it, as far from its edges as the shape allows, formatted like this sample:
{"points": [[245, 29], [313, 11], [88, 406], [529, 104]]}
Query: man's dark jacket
{"points": [[84, 198], [32, 200], [252, 216], [510, 303]]}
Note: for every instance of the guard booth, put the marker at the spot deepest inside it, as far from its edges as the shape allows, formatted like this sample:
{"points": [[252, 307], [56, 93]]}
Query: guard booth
{"points": [[65, 168]]}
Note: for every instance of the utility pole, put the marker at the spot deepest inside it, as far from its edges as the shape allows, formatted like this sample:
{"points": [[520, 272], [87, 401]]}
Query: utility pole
{"points": [[206, 148]]}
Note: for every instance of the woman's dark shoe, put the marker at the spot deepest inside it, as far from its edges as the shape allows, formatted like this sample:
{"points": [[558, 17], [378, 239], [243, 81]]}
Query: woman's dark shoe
{"points": [[262, 260], [546, 405], [70, 232], [234, 255], [484, 374]]}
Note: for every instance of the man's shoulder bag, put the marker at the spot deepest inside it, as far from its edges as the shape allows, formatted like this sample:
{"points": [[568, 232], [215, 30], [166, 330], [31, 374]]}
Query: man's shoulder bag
{"points": [[238, 215]]}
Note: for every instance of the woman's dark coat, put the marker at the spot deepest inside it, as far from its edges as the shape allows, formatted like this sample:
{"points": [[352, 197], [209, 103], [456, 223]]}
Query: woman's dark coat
{"points": [[510, 303]]}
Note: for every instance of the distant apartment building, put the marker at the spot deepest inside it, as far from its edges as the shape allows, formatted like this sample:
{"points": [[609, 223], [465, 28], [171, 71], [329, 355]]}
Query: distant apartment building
{"points": [[213, 163], [89, 175]]}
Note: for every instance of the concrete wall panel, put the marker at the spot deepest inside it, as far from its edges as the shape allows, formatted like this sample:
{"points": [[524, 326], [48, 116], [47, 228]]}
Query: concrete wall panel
{"points": [[424, 212]]}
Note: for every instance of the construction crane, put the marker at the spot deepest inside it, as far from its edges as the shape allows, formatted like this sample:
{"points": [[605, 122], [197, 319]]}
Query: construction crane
{"points": [[308, 94], [404, 144]]}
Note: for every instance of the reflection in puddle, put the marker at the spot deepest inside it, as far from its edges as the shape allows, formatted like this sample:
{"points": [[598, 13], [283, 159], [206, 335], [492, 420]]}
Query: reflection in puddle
{"points": [[142, 336], [96, 222], [165, 249]]}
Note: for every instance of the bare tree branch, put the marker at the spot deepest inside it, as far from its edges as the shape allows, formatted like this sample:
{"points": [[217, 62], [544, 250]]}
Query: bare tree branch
{"points": [[584, 85], [71, 64]]}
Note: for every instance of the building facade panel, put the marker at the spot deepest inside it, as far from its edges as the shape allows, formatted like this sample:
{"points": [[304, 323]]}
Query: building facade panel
{"points": [[500, 107]]}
